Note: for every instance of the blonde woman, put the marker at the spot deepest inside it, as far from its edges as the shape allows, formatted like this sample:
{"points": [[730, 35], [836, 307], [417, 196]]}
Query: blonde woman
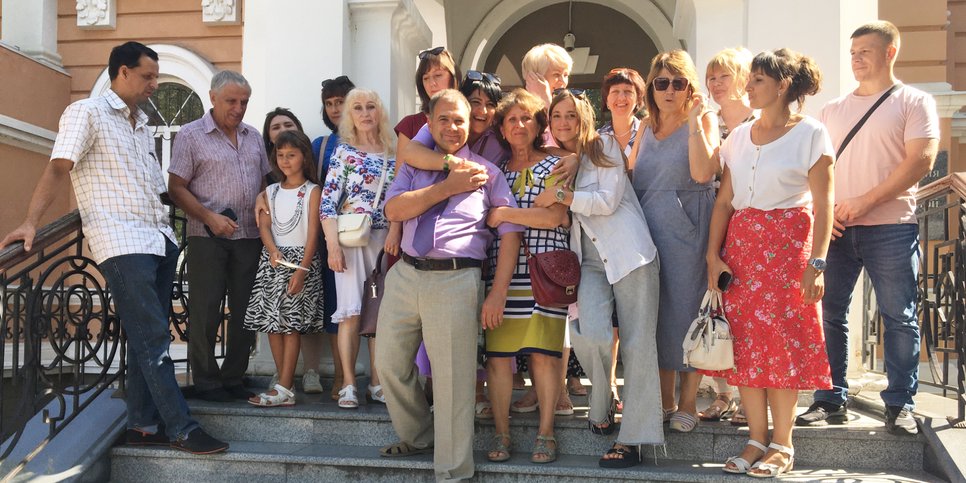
{"points": [[356, 168]]}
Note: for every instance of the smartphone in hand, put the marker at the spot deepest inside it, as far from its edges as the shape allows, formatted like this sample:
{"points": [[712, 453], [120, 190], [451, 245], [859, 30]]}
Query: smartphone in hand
{"points": [[724, 280], [227, 212]]}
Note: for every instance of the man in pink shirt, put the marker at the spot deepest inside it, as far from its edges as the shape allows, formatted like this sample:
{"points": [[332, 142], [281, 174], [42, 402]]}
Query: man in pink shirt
{"points": [[876, 176]]}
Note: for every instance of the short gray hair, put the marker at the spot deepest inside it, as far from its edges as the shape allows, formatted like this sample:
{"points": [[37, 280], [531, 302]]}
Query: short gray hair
{"points": [[225, 77]]}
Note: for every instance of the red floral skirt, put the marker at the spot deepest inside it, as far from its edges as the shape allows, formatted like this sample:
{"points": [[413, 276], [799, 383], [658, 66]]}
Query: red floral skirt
{"points": [[779, 341]]}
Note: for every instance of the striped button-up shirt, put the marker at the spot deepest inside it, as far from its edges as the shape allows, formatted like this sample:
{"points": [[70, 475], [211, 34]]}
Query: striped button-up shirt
{"points": [[116, 176], [219, 174]]}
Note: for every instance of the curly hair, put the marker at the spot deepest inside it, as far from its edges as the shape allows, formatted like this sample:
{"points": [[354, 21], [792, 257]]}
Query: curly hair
{"points": [[530, 104]]}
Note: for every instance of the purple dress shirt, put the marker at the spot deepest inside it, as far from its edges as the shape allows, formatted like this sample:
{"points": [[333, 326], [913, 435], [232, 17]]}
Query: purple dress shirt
{"points": [[461, 229]]}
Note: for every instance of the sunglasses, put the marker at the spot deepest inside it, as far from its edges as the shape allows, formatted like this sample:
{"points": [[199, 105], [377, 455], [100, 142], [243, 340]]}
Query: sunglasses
{"points": [[423, 55], [475, 75], [573, 90], [679, 83], [341, 78]]}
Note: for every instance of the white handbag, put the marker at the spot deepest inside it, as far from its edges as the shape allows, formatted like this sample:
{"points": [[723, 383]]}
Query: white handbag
{"points": [[709, 344], [354, 228]]}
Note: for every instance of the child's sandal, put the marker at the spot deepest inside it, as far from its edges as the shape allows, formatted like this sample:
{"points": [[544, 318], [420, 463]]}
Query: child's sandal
{"points": [[282, 397]]}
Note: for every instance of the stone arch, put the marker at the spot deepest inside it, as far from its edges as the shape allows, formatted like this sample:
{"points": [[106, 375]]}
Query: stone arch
{"points": [[177, 64]]}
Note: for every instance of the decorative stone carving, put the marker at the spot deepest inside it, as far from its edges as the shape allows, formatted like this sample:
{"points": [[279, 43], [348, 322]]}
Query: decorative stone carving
{"points": [[220, 12], [96, 14]]}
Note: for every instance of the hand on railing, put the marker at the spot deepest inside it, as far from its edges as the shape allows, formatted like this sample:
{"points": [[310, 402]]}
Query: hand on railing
{"points": [[25, 232]]}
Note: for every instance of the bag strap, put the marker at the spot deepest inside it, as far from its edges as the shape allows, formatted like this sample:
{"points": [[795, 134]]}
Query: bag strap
{"points": [[382, 179], [378, 268], [868, 114]]}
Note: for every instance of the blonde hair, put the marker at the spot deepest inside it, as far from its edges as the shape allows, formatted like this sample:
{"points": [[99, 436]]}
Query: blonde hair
{"points": [[678, 63], [737, 62], [347, 130], [541, 58], [589, 142]]}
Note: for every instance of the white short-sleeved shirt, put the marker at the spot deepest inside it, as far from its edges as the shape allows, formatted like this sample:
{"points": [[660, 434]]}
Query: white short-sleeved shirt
{"points": [[774, 175], [116, 177]]}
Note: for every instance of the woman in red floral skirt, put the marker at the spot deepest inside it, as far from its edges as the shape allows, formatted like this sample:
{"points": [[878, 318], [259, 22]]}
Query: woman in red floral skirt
{"points": [[775, 205]]}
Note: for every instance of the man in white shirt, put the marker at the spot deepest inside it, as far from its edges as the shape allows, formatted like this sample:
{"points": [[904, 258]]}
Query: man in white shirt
{"points": [[106, 148], [876, 177]]}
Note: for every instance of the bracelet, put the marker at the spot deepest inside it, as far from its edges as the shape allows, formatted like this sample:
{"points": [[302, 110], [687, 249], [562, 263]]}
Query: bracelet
{"points": [[446, 160]]}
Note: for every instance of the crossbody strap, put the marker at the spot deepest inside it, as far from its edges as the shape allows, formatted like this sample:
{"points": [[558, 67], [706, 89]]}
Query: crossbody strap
{"points": [[859, 124], [382, 180]]}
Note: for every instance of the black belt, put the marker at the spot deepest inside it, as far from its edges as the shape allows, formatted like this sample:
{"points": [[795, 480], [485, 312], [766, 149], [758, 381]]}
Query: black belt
{"points": [[436, 264]]}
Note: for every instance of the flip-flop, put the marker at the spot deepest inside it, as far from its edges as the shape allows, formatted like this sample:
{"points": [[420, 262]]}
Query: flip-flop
{"points": [[401, 449]]}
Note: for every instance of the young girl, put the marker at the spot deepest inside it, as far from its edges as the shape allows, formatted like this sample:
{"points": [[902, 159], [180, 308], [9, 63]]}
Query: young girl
{"points": [[287, 297]]}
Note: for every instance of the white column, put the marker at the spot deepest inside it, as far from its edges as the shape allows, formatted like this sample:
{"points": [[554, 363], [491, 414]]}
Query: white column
{"points": [[289, 47], [31, 25], [386, 35]]}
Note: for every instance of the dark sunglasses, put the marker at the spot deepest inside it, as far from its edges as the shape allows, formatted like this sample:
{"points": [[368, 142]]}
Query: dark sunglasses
{"points": [[341, 78], [423, 55], [573, 90], [679, 83], [475, 75]]}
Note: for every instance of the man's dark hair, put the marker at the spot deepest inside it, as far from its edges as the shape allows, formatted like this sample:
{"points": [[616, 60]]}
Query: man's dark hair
{"points": [[128, 54]]}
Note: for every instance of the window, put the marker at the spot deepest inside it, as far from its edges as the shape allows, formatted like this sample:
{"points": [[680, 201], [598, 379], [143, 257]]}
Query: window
{"points": [[171, 106]]}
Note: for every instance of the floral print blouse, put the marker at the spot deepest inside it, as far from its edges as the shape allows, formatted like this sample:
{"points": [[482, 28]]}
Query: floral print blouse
{"points": [[351, 183]]}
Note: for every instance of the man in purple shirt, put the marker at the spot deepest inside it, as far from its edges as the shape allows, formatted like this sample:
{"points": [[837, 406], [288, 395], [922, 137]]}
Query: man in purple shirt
{"points": [[435, 294], [218, 165]]}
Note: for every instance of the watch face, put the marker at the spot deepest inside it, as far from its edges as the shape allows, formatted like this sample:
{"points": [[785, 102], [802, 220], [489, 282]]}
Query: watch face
{"points": [[819, 264], [560, 195]]}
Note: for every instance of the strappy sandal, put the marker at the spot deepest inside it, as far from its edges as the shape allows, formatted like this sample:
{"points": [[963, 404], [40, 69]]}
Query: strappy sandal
{"points": [[597, 428], [619, 405], [575, 387], [772, 470], [347, 397], [627, 456], [668, 413], [564, 406], [374, 394], [483, 410], [282, 397], [402, 448], [683, 422], [722, 408], [526, 404], [542, 448], [741, 465], [501, 448], [739, 418]]}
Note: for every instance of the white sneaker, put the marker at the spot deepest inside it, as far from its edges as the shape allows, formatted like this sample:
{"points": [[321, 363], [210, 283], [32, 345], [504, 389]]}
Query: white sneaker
{"points": [[310, 382]]}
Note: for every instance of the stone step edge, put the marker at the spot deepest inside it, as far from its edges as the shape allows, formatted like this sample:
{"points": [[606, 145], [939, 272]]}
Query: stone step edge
{"points": [[580, 466]]}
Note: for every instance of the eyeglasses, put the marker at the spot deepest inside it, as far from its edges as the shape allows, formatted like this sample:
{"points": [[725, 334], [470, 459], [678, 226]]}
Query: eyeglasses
{"points": [[423, 55], [475, 75], [339, 79], [679, 83], [573, 90]]}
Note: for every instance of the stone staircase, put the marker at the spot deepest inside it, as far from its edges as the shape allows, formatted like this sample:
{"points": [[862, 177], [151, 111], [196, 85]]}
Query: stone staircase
{"points": [[316, 441]]}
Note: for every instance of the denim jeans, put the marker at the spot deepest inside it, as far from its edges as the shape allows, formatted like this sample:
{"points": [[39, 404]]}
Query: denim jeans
{"points": [[890, 254], [141, 287]]}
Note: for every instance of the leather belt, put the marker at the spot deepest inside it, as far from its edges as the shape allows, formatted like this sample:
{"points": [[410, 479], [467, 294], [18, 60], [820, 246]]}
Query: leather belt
{"points": [[437, 264]]}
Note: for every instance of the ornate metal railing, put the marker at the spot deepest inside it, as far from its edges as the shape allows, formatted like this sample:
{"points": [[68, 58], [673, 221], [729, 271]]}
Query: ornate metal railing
{"points": [[62, 340], [942, 293]]}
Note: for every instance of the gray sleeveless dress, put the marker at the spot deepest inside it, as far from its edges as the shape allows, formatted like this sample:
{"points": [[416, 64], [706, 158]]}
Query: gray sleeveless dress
{"points": [[678, 211]]}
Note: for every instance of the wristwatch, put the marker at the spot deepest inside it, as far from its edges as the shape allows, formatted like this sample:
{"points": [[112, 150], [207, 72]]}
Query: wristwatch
{"points": [[446, 160], [561, 194], [818, 264]]}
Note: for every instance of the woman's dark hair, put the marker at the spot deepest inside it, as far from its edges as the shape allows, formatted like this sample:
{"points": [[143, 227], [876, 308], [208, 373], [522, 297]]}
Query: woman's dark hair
{"points": [[338, 87], [484, 84], [804, 77], [623, 75], [279, 111], [297, 140], [129, 55], [427, 62]]}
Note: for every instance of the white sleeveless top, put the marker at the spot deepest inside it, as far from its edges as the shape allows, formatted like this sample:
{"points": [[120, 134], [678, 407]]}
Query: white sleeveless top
{"points": [[290, 213]]}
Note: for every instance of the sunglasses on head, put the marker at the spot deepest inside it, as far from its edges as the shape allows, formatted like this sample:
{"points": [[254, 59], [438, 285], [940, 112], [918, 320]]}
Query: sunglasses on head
{"points": [[341, 78], [573, 90], [423, 55], [475, 75], [679, 83]]}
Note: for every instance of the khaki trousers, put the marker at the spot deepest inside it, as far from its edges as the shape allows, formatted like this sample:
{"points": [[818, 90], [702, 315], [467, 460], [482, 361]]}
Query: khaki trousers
{"points": [[440, 308]]}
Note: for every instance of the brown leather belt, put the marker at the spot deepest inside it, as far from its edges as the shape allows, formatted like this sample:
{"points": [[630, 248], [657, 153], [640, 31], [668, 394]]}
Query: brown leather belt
{"points": [[437, 264]]}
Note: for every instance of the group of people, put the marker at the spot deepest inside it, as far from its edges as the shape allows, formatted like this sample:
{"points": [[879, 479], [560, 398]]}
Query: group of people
{"points": [[657, 204]]}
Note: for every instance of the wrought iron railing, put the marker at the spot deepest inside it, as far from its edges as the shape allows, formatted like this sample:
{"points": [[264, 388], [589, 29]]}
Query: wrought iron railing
{"points": [[62, 340], [942, 293]]}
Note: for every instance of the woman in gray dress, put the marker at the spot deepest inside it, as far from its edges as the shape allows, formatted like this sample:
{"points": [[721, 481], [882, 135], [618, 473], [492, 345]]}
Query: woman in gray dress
{"points": [[674, 166]]}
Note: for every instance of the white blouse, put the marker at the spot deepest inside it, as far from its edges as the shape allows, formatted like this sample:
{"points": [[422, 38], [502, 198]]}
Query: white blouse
{"points": [[774, 175]]}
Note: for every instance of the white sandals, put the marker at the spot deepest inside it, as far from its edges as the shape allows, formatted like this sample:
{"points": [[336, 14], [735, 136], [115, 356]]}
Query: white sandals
{"points": [[375, 394], [282, 397], [347, 397], [773, 470], [742, 465]]}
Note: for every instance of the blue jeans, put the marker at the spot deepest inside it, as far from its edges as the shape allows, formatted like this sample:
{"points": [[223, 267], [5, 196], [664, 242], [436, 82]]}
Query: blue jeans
{"points": [[890, 254], [141, 287]]}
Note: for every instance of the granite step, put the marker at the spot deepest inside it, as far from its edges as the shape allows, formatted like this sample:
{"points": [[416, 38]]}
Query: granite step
{"points": [[863, 443], [314, 462]]}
